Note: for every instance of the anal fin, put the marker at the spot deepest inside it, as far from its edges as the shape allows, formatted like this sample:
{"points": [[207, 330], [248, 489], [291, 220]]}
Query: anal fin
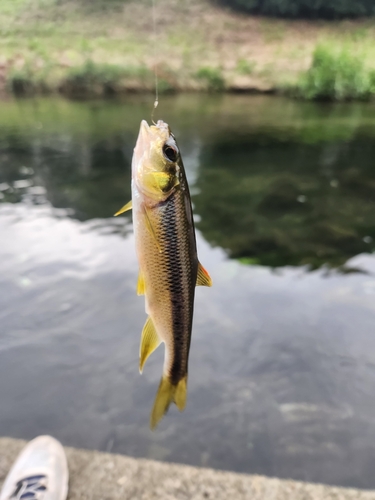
{"points": [[203, 278], [149, 342]]}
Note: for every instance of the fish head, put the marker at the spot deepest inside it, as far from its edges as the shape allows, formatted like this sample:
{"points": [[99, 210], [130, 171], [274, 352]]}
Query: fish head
{"points": [[155, 161]]}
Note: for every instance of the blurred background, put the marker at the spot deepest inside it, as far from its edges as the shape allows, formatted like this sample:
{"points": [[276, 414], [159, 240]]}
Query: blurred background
{"points": [[271, 104]]}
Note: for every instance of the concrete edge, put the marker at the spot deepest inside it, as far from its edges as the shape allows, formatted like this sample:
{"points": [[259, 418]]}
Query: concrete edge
{"points": [[102, 476]]}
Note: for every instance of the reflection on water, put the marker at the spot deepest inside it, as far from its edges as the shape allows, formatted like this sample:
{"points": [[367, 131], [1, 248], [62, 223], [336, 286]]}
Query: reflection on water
{"points": [[286, 203], [282, 363], [289, 186]]}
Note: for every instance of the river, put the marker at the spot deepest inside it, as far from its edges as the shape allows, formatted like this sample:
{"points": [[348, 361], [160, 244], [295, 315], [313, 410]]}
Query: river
{"points": [[282, 364]]}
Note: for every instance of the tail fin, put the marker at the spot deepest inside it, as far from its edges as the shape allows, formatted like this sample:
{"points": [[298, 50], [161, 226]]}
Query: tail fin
{"points": [[168, 393]]}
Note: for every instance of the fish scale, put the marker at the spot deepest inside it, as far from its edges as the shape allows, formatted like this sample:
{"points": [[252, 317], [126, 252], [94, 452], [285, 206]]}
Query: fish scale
{"points": [[174, 270], [182, 277]]}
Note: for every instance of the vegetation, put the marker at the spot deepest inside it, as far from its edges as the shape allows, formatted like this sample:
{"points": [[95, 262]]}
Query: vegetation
{"points": [[245, 67], [21, 81], [91, 77], [101, 47], [212, 78], [104, 78], [327, 9], [336, 74]]}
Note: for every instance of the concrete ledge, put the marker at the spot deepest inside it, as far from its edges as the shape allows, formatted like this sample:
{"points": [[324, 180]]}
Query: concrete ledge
{"points": [[102, 476]]}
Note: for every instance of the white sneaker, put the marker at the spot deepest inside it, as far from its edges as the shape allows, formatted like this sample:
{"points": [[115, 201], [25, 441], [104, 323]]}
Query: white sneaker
{"points": [[39, 473]]}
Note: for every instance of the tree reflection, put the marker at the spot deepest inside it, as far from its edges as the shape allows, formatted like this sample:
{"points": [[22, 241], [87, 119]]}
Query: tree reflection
{"points": [[278, 202], [92, 179]]}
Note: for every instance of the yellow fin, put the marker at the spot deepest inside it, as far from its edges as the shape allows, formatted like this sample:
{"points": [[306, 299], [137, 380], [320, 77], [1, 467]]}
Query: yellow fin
{"points": [[168, 393], [203, 278], [149, 342], [151, 229], [180, 394], [125, 208], [141, 284]]}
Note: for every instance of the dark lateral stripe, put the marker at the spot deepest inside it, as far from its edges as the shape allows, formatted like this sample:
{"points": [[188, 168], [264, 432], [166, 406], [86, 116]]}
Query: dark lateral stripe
{"points": [[180, 315]]}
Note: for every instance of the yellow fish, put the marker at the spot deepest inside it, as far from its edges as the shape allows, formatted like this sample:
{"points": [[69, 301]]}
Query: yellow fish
{"points": [[166, 249]]}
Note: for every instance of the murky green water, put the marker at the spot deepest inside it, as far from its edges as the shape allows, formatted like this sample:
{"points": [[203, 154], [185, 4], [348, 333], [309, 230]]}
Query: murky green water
{"points": [[282, 362]]}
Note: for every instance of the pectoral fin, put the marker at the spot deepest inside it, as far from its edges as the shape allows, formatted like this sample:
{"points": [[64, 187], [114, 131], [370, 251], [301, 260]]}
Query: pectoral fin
{"points": [[141, 284], [125, 208], [151, 229], [203, 278], [149, 342]]}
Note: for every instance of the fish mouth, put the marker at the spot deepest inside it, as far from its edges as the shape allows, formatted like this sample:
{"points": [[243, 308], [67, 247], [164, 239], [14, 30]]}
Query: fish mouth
{"points": [[142, 146], [149, 137], [145, 129], [148, 134], [144, 136]]}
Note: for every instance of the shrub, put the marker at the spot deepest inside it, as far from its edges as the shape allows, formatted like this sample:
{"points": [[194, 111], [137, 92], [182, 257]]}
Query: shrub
{"points": [[102, 78], [27, 80], [20, 81], [212, 78], [336, 74], [91, 77], [328, 9]]}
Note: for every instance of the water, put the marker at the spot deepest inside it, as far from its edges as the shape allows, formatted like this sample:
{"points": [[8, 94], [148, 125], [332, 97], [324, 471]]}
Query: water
{"points": [[282, 365]]}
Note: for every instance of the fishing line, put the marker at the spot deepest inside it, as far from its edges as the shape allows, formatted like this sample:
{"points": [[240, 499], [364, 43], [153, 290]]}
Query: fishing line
{"points": [[155, 65]]}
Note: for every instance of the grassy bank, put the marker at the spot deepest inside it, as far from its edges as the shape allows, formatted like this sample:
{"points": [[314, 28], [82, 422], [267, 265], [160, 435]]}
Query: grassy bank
{"points": [[82, 47]]}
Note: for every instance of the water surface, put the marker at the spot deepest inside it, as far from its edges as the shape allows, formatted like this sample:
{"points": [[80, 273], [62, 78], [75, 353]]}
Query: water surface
{"points": [[282, 366]]}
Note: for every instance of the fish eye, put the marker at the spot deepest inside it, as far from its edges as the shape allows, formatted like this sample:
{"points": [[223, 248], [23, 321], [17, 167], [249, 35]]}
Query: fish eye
{"points": [[170, 153]]}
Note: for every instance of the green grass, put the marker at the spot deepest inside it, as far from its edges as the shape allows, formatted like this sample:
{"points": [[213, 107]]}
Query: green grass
{"points": [[245, 67], [11, 7], [337, 74], [271, 31]]}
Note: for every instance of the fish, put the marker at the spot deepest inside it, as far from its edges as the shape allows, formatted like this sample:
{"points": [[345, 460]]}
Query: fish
{"points": [[166, 249]]}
